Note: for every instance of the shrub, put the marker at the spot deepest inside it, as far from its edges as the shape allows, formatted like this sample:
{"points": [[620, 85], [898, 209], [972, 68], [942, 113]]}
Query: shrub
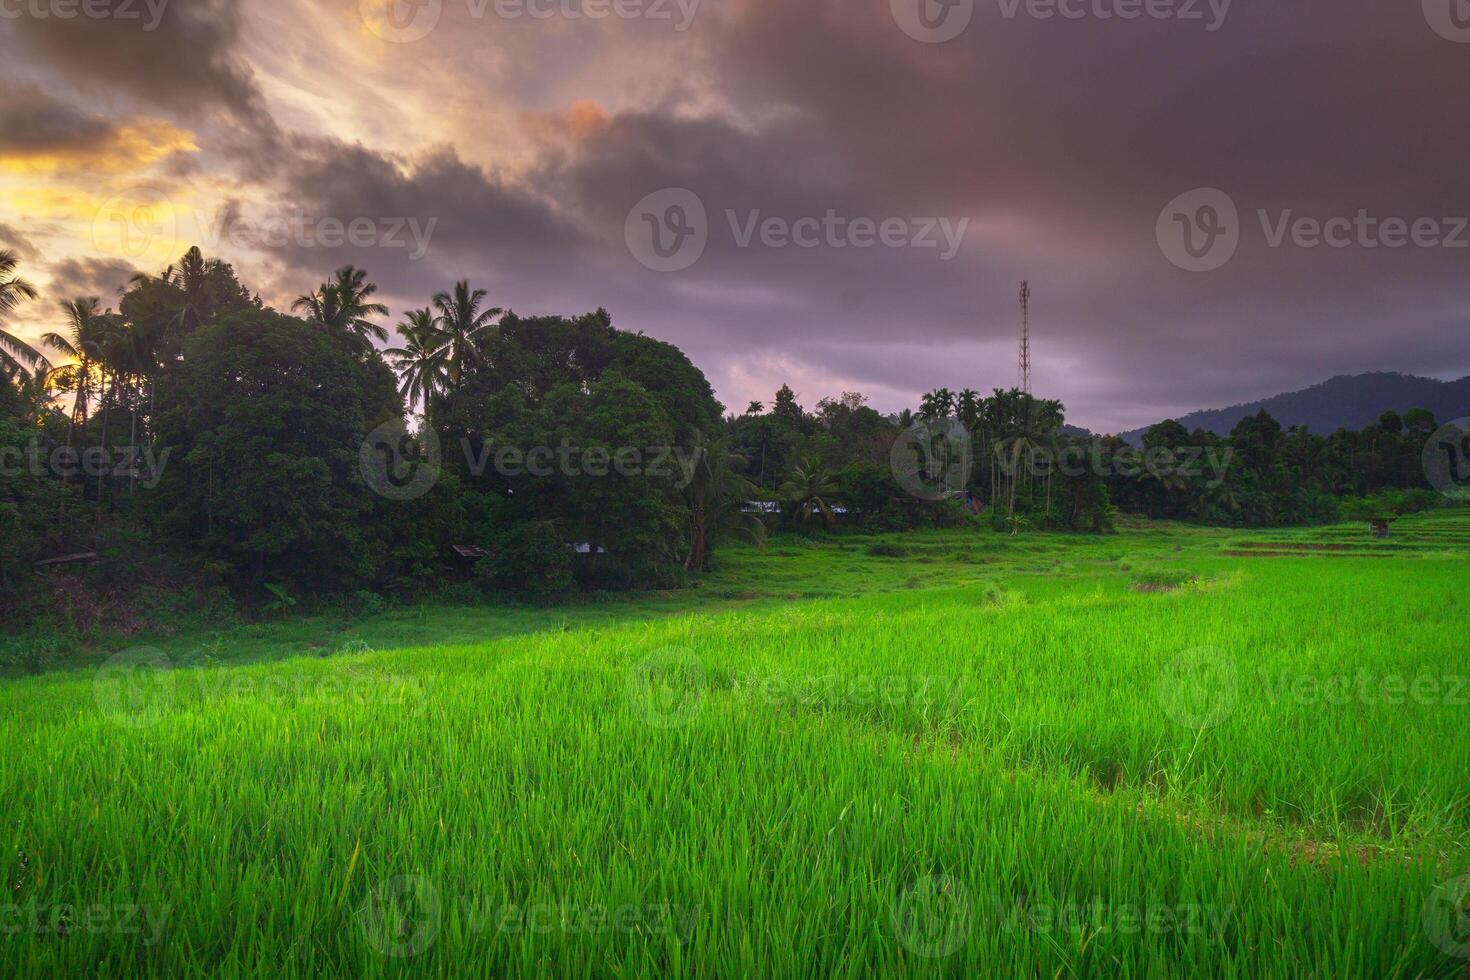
{"points": [[530, 561], [367, 603]]}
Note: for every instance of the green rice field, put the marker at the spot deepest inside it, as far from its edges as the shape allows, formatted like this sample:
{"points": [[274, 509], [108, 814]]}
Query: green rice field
{"points": [[1170, 752]]}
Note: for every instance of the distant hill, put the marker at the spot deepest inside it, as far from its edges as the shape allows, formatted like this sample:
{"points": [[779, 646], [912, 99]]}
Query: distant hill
{"points": [[1347, 401]]}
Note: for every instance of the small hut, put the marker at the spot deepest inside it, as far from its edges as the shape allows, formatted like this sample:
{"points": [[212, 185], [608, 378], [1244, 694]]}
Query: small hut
{"points": [[1379, 526]]}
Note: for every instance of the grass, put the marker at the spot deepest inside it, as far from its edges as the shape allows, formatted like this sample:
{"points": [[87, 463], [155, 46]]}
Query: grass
{"points": [[947, 754]]}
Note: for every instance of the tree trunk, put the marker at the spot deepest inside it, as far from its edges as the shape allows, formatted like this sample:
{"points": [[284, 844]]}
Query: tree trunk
{"points": [[132, 395], [102, 452], [698, 536]]}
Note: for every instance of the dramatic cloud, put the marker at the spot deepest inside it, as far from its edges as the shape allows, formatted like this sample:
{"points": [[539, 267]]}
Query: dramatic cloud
{"points": [[32, 124], [103, 278], [179, 57], [510, 149], [12, 239]]}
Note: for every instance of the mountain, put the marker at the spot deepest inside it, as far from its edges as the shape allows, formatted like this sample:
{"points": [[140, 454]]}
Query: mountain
{"points": [[1347, 401]]}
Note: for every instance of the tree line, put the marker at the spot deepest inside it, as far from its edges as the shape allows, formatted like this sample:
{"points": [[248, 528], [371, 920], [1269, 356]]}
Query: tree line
{"points": [[204, 436]]}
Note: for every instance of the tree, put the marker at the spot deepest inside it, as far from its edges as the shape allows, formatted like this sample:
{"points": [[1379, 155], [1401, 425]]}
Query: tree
{"points": [[769, 442], [422, 361], [786, 406], [465, 323], [264, 421], [716, 497], [87, 330], [29, 501], [937, 404], [15, 354], [355, 304], [1420, 423], [343, 306], [1256, 439], [808, 487], [633, 513], [191, 278], [968, 408]]}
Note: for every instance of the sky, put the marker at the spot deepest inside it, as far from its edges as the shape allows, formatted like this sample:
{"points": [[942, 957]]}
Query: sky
{"points": [[1213, 201]]}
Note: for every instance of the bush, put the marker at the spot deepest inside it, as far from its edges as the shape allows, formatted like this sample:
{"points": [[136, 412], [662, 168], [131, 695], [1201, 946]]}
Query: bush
{"points": [[42, 647], [530, 561], [368, 603]]}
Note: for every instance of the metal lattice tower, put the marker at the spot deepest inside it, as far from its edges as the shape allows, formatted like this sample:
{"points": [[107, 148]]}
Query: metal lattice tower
{"points": [[1026, 337]]}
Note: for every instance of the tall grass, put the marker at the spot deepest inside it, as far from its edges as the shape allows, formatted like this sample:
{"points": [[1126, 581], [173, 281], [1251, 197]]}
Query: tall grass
{"points": [[1007, 771]]}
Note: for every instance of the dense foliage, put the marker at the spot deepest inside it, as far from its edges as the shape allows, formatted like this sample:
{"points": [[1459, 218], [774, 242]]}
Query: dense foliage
{"points": [[195, 435], [240, 446]]}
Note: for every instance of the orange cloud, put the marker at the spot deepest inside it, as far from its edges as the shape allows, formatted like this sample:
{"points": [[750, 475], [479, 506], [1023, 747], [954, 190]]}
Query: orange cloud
{"points": [[127, 149]]}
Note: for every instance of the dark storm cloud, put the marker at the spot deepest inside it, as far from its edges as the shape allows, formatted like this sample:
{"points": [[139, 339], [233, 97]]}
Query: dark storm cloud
{"points": [[436, 219], [1083, 131], [176, 56], [32, 122], [1060, 140], [1097, 113], [103, 278]]}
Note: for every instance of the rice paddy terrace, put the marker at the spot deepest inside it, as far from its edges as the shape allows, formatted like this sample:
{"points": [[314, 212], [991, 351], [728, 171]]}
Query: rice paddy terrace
{"points": [[1153, 754], [1431, 533]]}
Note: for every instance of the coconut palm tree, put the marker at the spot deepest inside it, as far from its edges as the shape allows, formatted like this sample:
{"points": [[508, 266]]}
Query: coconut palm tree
{"points": [[321, 306], [716, 496], [809, 486], [465, 323], [191, 278], [83, 345], [15, 354], [343, 306], [421, 363], [355, 304]]}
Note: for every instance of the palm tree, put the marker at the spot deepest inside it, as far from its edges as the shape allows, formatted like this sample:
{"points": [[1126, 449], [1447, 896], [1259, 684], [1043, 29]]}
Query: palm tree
{"points": [[937, 404], [421, 361], [191, 278], [15, 354], [84, 346], [343, 306], [355, 304], [117, 357], [716, 495], [968, 407], [809, 486], [465, 323], [321, 306]]}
